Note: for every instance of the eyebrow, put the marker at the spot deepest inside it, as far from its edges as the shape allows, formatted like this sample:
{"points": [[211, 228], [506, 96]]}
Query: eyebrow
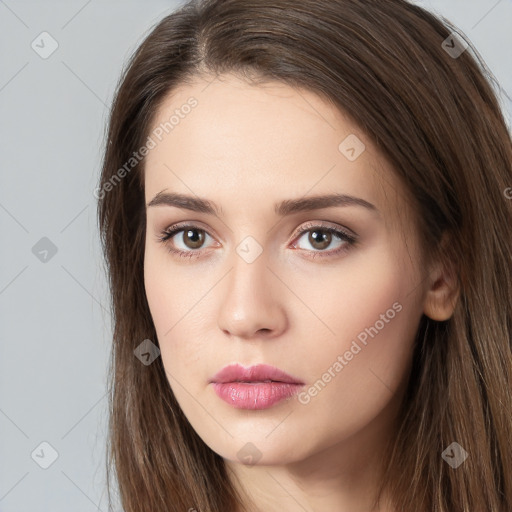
{"points": [[283, 208]]}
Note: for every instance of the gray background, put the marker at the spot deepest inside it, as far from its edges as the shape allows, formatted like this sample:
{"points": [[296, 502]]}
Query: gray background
{"points": [[55, 326]]}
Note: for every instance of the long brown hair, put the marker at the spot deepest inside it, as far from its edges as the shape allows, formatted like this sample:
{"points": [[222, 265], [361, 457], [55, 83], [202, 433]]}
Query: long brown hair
{"points": [[435, 115]]}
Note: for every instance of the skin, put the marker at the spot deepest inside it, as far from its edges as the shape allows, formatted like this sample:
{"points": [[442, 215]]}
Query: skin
{"points": [[246, 147]]}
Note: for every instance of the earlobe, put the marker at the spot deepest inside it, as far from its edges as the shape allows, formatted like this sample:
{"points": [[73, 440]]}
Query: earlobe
{"points": [[443, 290]]}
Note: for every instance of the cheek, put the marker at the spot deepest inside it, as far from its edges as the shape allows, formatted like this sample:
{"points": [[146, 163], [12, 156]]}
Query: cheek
{"points": [[355, 380], [159, 289], [351, 298], [380, 311], [174, 295], [374, 308]]}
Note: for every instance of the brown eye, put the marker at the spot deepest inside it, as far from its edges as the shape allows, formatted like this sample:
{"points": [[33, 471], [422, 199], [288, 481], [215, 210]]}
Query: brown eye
{"points": [[186, 241], [319, 239], [193, 238]]}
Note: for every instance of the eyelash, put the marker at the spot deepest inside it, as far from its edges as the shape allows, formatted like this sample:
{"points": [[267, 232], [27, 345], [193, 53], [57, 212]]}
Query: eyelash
{"points": [[344, 236]]}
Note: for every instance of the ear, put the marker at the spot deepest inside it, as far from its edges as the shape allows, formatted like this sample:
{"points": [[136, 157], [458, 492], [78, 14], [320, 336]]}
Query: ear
{"points": [[442, 289]]}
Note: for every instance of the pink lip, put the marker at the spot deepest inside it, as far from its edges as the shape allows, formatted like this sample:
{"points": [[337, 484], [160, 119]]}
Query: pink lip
{"points": [[258, 373], [256, 387]]}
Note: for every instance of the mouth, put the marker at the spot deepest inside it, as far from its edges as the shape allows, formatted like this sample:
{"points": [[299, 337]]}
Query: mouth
{"points": [[254, 388]]}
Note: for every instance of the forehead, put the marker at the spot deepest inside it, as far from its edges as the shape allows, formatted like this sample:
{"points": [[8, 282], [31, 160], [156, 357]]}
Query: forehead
{"points": [[249, 144]]}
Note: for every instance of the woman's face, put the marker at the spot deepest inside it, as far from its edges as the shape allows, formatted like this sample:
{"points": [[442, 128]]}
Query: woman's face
{"points": [[260, 280]]}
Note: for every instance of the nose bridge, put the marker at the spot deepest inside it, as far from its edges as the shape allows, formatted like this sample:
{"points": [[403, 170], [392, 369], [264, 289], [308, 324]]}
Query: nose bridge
{"points": [[247, 304], [248, 258], [249, 274]]}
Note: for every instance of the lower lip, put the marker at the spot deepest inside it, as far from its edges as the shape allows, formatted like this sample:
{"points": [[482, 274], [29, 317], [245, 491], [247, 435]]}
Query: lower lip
{"points": [[255, 395]]}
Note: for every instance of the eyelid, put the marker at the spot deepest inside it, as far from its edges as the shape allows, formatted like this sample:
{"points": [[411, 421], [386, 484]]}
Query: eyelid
{"points": [[324, 225], [192, 224]]}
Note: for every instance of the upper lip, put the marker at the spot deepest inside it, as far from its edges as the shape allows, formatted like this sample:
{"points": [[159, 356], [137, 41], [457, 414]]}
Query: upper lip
{"points": [[257, 373]]}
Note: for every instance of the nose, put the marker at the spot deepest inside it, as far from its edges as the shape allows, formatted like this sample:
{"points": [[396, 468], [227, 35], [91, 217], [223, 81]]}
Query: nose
{"points": [[252, 301]]}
